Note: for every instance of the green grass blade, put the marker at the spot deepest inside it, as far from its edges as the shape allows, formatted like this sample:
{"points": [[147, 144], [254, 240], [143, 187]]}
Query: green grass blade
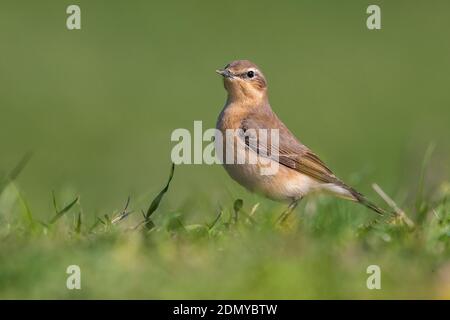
{"points": [[219, 215], [421, 207], [26, 209], [60, 213], [78, 225], [55, 205], [96, 223], [155, 203], [15, 172]]}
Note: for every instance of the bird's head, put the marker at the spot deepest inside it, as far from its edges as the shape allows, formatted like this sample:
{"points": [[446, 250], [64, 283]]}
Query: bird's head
{"points": [[244, 81]]}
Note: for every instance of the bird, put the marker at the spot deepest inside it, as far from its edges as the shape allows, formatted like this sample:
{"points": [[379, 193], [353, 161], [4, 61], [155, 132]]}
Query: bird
{"points": [[300, 171]]}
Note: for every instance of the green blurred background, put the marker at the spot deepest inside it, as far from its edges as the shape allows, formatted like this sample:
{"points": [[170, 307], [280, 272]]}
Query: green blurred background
{"points": [[97, 107]]}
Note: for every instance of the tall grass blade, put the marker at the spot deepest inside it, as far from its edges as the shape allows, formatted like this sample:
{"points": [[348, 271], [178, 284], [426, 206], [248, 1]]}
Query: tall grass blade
{"points": [[420, 207], [15, 172], [78, 225], [26, 209], [219, 214], [399, 212], [60, 213], [96, 223], [155, 203], [55, 205]]}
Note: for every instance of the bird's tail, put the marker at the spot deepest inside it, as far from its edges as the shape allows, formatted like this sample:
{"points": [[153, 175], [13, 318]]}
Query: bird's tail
{"points": [[360, 198]]}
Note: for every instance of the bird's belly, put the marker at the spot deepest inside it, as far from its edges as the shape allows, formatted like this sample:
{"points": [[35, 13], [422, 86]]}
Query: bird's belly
{"points": [[284, 185]]}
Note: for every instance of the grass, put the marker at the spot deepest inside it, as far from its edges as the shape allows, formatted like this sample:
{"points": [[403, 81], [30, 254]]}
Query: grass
{"points": [[322, 252]]}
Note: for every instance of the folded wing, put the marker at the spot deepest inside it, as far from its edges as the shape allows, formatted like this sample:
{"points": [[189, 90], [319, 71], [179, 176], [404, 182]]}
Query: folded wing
{"points": [[289, 152]]}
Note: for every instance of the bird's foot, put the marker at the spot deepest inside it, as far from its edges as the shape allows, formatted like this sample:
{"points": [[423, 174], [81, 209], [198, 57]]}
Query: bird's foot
{"points": [[283, 217]]}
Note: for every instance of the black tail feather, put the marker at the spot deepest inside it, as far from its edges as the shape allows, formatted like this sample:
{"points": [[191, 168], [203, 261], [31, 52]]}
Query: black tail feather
{"points": [[372, 206], [360, 198]]}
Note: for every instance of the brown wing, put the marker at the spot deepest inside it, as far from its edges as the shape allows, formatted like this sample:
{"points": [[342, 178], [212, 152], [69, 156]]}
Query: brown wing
{"points": [[291, 153]]}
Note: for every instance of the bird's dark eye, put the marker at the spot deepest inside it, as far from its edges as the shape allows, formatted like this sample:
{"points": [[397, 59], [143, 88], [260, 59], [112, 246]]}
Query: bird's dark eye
{"points": [[250, 74]]}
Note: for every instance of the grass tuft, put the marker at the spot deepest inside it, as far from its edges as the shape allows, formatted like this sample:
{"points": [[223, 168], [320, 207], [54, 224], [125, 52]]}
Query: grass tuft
{"points": [[322, 252]]}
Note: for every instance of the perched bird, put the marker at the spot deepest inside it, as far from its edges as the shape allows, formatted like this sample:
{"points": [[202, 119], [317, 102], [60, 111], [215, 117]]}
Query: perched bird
{"points": [[300, 171]]}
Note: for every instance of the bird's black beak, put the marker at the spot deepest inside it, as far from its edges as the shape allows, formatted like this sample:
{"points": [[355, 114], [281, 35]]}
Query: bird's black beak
{"points": [[225, 73]]}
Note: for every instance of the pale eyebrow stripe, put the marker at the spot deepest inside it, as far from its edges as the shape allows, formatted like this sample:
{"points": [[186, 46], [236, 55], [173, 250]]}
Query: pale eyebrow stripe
{"points": [[244, 73]]}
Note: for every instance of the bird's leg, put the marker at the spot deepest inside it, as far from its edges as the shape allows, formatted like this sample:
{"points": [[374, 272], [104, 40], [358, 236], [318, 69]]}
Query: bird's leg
{"points": [[288, 211]]}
